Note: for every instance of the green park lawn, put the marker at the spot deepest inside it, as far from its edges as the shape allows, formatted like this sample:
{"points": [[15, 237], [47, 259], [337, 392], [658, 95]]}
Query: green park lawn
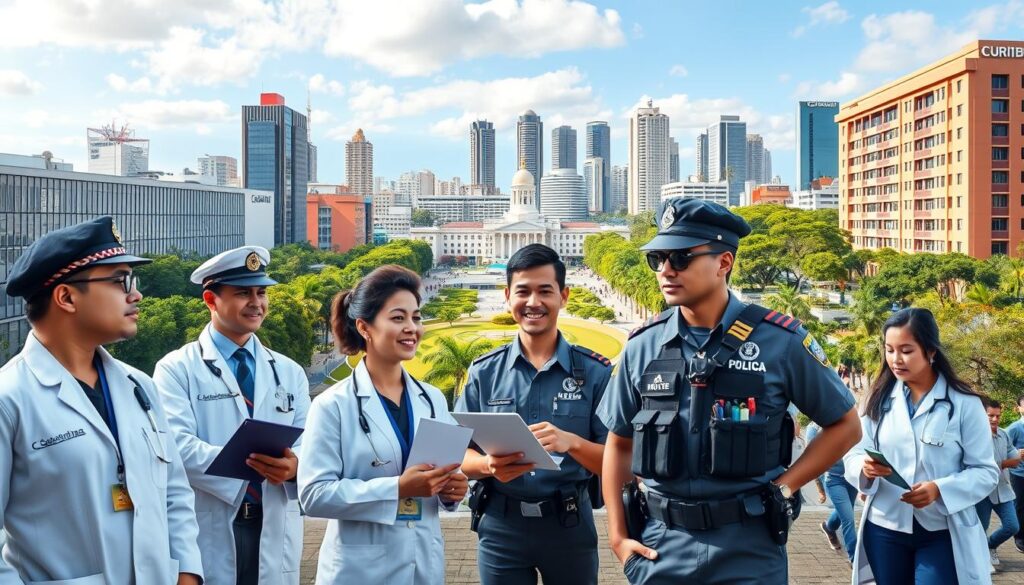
{"points": [[605, 340]]}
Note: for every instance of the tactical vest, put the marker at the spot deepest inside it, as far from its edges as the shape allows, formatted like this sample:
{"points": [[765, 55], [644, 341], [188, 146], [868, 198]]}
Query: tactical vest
{"points": [[729, 448]]}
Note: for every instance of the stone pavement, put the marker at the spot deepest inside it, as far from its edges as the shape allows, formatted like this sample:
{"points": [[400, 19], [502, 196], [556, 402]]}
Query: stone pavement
{"points": [[810, 559]]}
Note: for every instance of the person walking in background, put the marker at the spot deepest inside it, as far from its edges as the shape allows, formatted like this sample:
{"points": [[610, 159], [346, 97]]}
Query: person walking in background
{"points": [[843, 496], [1016, 434], [926, 427], [1001, 499]]}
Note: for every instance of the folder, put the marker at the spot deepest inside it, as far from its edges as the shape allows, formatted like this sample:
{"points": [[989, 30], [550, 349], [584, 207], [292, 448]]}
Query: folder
{"points": [[252, 436], [438, 443], [503, 433]]}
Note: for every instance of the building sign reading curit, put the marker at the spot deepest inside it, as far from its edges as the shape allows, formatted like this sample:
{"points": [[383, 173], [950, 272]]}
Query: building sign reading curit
{"points": [[260, 198], [997, 51]]}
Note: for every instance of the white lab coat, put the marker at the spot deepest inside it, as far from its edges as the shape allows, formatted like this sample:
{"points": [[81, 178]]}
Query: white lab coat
{"points": [[57, 468], [962, 468], [204, 410], [364, 543]]}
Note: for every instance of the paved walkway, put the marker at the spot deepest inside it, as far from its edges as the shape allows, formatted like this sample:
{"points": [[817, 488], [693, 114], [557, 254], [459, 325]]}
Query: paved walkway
{"points": [[810, 560]]}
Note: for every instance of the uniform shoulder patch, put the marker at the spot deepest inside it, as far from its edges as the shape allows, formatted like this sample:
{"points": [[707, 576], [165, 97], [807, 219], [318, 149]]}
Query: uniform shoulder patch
{"points": [[493, 353], [592, 355], [814, 348], [659, 318], [791, 324]]}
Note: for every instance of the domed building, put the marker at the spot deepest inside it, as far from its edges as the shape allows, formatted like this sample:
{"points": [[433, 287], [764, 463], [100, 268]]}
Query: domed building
{"points": [[496, 240]]}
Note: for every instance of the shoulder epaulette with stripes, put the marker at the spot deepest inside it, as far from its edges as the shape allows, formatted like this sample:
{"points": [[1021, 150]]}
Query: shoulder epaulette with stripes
{"points": [[783, 320], [592, 355], [659, 318], [494, 352]]}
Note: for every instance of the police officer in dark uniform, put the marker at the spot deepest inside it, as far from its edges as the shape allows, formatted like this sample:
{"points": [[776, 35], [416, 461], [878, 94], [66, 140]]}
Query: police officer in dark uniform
{"points": [[538, 521], [697, 410]]}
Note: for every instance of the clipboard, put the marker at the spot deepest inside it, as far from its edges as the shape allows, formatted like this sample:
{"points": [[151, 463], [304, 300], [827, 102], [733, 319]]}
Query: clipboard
{"points": [[252, 436], [895, 478], [501, 433]]}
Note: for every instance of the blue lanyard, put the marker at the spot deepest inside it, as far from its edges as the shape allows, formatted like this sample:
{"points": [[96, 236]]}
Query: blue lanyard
{"points": [[98, 363], [403, 442]]}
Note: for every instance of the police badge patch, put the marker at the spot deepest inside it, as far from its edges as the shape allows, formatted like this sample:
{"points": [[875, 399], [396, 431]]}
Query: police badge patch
{"points": [[570, 385], [749, 351], [116, 233], [817, 352], [668, 218]]}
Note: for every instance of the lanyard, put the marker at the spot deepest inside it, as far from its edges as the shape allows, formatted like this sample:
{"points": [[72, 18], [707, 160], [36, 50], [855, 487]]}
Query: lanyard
{"points": [[403, 442], [111, 418]]}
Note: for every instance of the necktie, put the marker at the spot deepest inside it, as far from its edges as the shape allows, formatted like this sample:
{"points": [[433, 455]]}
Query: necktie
{"points": [[243, 375]]}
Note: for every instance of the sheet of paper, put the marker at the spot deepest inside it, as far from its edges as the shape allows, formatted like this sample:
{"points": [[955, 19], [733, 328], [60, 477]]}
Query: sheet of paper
{"points": [[502, 433], [439, 444]]}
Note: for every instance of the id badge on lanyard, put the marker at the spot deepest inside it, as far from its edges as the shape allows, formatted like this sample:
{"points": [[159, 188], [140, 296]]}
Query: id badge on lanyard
{"points": [[409, 509], [119, 496]]}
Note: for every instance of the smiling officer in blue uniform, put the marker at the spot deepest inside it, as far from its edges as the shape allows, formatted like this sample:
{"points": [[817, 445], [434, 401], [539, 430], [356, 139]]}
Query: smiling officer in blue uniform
{"points": [[697, 411], [540, 521]]}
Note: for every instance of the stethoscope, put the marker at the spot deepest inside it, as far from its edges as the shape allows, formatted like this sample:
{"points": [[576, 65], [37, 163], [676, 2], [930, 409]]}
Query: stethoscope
{"points": [[285, 400], [365, 425], [928, 436]]}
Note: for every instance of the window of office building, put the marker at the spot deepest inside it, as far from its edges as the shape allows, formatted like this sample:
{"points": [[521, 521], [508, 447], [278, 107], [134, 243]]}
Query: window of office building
{"points": [[1000, 153], [1000, 81], [1000, 106], [1000, 248], [998, 130], [1000, 177], [1000, 200]]}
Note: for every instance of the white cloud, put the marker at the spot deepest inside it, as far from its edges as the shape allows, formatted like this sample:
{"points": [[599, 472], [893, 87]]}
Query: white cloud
{"points": [[689, 117], [159, 114], [38, 118], [322, 117], [415, 38], [16, 83], [638, 31], [320, 84], [140, 85], [184, 58], [560, 96], [827, 13], [847, 84], [678, 71]]}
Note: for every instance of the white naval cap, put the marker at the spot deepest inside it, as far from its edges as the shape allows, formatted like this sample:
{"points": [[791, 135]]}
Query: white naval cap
{"points": [[244, 266]]}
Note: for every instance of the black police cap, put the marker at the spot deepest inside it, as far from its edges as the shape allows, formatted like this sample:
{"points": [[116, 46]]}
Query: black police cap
{"points": [[685, 222], [57, 255]]}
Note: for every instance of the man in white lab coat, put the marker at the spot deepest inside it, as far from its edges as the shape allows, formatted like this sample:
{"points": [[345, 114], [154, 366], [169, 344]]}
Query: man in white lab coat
{"points": [[249, 532], [92, 489]]}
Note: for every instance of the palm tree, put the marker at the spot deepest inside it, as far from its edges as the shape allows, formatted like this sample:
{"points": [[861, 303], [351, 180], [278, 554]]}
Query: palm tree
{"points": [[451, 359], [1013, 279], [789, 301], [981, 295]]}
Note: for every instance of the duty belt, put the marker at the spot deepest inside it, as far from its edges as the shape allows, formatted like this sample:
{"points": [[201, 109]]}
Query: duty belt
{"points": [[529, 508], [683, 515]]}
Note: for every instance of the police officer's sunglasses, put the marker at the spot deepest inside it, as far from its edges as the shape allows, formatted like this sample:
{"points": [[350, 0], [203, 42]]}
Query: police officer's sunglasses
{"points": [[127, 281], [679, 260]]}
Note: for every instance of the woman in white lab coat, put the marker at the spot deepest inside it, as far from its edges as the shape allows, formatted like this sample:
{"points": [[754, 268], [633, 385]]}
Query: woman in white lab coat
{"points": [[384, 526], [931, 427]]}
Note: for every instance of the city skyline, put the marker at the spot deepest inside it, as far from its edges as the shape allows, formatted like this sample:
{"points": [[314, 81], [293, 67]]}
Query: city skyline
{"points": [[181, 79]]}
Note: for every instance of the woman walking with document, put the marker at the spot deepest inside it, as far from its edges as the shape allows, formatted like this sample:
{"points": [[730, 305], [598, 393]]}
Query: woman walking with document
{"points": [[384, 524]]}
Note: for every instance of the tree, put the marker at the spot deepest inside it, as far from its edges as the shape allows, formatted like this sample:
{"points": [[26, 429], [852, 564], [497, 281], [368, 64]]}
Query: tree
{"points": [[450, 360], [761, 262], [982, 295], [423, 218], [168, 275], [1012, 279], [789, 301], [603, 314], [164, 325], [826, 266], [449, 314]]}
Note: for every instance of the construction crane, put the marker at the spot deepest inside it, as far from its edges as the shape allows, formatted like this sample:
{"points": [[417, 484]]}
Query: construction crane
{"points": [[115, 134]]}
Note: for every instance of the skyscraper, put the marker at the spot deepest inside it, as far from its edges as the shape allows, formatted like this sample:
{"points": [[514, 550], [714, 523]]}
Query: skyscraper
{"points": [[768, 176], [563, 148], [701, 154], [648, 157], [565, 196], [817, 142], [599, 145], [530, 148], [593, 178], [755, 160], [224, 168], [673, 161], [620, 189], [359, 164], [727, 154], [275, 151], [481, 153]]}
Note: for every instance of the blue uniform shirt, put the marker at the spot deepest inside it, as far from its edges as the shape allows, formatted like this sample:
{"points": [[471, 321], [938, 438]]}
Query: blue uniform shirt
{"points": [[227, 349], [1016, 433], [786, 361], [505, 381]]}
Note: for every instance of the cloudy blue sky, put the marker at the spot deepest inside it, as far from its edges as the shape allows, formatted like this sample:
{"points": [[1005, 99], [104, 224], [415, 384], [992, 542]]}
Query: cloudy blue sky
{"points": [[414, 73]]}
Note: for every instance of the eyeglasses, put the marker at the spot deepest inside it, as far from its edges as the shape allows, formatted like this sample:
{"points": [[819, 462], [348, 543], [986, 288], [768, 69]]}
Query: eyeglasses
{"points": [[678, 259], [127, 281]]}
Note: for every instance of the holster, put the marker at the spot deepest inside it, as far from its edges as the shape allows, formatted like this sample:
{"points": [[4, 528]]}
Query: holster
{"points": [[567, 504], [635, 505], [780, 513], [479, 497]]}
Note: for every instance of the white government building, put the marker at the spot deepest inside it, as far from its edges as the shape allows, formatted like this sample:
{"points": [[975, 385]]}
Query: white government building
{"points": [[496, 240]]}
